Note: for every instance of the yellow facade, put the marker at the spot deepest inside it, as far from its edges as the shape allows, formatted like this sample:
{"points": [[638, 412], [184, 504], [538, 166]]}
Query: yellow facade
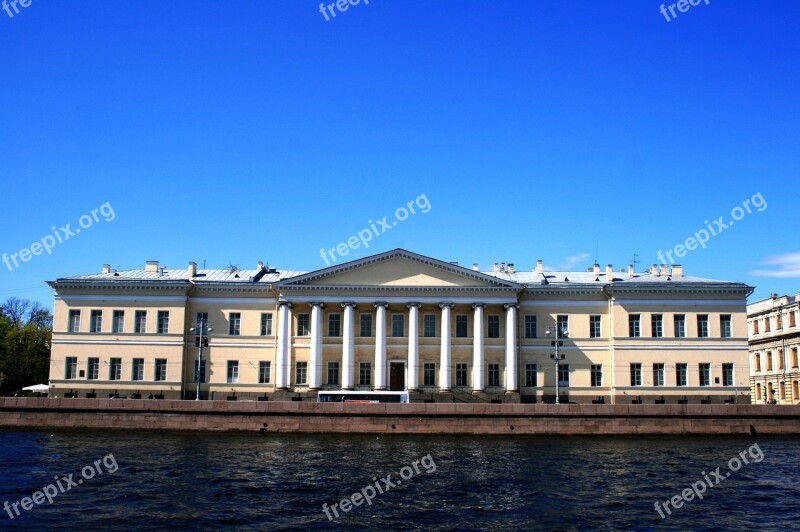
{"points": [[774, 327], [281, 334]]}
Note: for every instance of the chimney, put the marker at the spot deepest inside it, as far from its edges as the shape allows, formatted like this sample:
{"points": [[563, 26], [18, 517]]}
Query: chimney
{"points": [[654, 270], [609, 273], [539, 266], [596, 269], [677, 270], [475, 267], [106, 268], [503, 267], [664, 270], [510, 267], [192, 269], [151, 266], [630, 271], [496, 268]]}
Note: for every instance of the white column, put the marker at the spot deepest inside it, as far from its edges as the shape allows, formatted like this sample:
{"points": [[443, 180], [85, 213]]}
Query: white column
{"points": [[288, 360], [380, 346], [348, 347], [477, 348], [280, 356], [315, 357], [512, 382], [445, 359], [412, 370]]}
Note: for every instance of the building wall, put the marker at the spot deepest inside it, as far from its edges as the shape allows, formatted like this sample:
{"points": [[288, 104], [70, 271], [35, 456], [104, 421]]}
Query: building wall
{"points": [[774, 327]]}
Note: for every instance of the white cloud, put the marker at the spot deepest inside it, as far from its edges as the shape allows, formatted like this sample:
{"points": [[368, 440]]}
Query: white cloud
{"points": [[570, 262], [784, 266]]}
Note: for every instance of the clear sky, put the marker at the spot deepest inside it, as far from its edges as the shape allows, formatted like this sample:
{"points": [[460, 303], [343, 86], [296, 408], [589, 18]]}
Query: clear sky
{"points": [[232, 132]]}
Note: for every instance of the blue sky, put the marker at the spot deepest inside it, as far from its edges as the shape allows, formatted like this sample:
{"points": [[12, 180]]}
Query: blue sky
{"points": [[257, 130]]}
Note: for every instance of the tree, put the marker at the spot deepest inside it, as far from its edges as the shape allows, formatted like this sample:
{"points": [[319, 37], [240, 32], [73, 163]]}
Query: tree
{"points": [[25, 336]]}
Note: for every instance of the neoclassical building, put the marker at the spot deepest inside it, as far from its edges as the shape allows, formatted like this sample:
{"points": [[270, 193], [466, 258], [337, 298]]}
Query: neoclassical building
{"points": [[774, 326], [402, 321]]}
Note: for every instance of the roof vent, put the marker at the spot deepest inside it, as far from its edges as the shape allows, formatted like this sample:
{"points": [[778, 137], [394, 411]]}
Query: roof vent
{"points": [[260, 266], [151, 266], [474, 266], [272, 270], [511, 267], [539, 266], [106, 268]]}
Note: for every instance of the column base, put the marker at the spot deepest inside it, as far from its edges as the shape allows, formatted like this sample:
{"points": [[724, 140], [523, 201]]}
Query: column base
{"points": [[412, 390], [512, 392], [445, 390], [383, 389], [476, 391]]}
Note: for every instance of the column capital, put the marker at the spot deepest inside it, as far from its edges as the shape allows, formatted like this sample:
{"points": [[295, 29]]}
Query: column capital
{"points": [[509, 305], [446, 304], [317, 303], [413, 304], [284, 303], [381, 304], [349, 304], [481, 305]]}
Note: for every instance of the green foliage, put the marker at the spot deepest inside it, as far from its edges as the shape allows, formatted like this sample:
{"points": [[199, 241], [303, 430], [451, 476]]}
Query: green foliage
{"points": [[25, 335]]}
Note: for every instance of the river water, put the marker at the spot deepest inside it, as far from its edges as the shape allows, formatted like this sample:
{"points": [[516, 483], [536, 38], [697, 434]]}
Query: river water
{"points": [[167, 480]]}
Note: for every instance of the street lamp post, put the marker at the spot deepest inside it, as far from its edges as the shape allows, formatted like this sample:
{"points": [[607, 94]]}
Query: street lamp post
{"points": [[200, 341], [558, 357]]}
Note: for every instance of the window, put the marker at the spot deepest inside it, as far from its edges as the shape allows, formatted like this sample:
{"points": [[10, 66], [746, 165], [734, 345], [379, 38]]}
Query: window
{"points": [[779, 321], [680, 325], [96, 321], [725, 326], [494, 374], [264, 371], [137, 372], [140, 322], [705, 374], [163, 321], [200, 320], [429, 374], [767, 324], [727, 374], [702, 325], [658, 374], [334, 324], [114, 369], [461, 374], [398, 325], [657, 325], [301, 373], [494, 327], [758, 391], [202, 371], [93, 369], [563, 375], [366, 325], [758, 362], [563, 323], [71, 368], [531, 375], [796, 390], [160, 373], [74, 324], [429, 325], [594, 326], [793, 321], [302, 325], [634, 326], [233, 371], [780, 359], [597, 375], [768, 356], [680, 374], [333, 372], [266, 324], [364, 373], [235, 324], [794, 359], [755, 327], [782, 387], [636, 374], [530, 326], [461, 326], [118, 321]]}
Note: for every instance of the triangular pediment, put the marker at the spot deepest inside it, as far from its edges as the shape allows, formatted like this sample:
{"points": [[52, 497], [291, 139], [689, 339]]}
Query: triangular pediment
{"points": [[398, 268]]}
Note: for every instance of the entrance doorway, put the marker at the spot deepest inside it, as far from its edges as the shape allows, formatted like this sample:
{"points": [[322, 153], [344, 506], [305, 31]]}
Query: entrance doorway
{"points": [[397, 376]]}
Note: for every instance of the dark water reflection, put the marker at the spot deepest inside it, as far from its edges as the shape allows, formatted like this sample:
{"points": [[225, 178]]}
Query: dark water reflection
{"points": [[255, 482]]}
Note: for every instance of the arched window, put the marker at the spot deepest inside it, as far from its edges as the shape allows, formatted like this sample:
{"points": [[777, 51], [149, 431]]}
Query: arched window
{"points": [[770, 392], [758, 391], [783, 390]]}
